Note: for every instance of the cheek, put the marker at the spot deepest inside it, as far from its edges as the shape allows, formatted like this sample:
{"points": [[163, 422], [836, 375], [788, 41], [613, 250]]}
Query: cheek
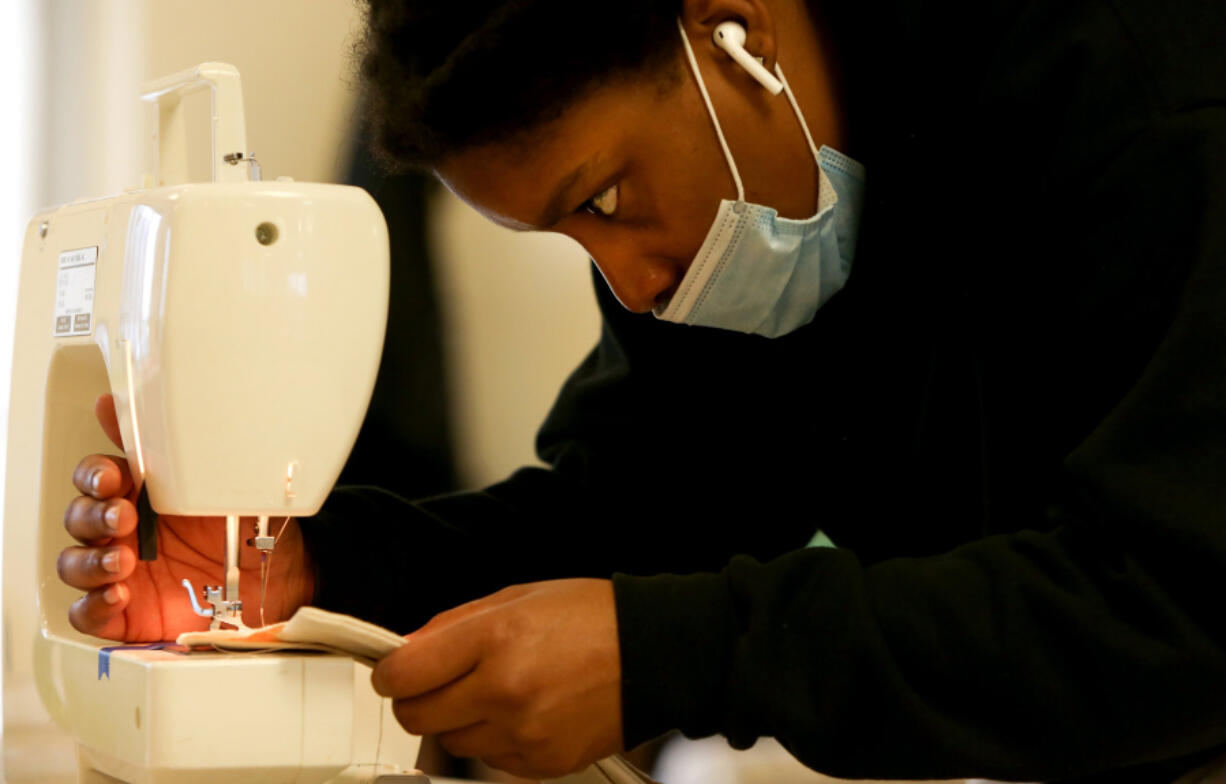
{"points": [[687, 199], [693, 212], [682, 175]]}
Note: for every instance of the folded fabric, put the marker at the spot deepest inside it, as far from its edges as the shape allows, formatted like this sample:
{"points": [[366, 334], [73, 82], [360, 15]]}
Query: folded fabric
{"points": [[311, 629]]}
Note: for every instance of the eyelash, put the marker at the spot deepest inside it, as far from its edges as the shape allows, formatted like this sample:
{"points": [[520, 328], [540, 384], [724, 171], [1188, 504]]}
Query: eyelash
{"points": [[591, 206]]}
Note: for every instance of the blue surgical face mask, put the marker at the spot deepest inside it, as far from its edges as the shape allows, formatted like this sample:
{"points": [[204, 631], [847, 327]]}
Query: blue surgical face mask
{"points": [[761, 274]]}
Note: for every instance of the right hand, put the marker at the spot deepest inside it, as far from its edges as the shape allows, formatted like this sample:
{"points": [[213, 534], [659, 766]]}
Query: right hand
{"points": [[144, 601]]}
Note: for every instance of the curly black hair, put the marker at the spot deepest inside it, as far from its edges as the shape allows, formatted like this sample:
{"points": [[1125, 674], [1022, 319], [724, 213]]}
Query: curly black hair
{"points": [[443, 76]]}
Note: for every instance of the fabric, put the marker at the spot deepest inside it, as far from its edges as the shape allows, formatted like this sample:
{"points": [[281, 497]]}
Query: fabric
{"points": [[310, 628], [1017, 436]]}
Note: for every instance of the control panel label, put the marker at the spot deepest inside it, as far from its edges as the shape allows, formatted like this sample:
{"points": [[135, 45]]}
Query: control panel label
{"points": [[74, 292]]}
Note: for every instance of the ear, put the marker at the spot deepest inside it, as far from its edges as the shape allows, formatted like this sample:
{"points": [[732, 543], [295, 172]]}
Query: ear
{"points": [[700, 18]]}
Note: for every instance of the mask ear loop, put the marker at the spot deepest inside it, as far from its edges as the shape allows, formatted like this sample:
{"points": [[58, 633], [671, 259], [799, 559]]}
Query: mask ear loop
{"points": [[719, 132], [800, 116], [804, 126]]}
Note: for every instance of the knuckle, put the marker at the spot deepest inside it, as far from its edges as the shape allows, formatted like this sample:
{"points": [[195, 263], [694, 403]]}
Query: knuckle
{"points": [[529, 733], [459, 610], [516, 688], [503, 628]]}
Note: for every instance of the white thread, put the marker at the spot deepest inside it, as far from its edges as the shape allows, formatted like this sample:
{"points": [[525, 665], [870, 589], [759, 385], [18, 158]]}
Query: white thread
{"points": [[379, 740], [266, 567], [263, 584]]}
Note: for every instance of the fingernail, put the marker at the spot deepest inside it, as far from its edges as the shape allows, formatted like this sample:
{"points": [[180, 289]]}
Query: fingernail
{"points": [[111, 516], [110, 562], [95, 479], [111, 595]]}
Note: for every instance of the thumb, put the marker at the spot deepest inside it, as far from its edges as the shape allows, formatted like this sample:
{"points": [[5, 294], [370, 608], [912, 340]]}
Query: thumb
{"points": [[430, 660], [104, 410]]}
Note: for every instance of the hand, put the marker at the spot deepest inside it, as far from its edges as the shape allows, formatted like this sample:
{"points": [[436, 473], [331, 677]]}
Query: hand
{"points": [[144, 601], [528, 679]]}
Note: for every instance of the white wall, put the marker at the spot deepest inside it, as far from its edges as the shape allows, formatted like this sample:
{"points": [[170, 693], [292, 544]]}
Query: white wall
{"points": [[293, 57], [20, 51], [519, 315]]}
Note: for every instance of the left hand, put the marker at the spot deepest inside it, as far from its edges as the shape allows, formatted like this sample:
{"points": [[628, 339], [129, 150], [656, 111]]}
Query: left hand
{"points": [[527, 679]]}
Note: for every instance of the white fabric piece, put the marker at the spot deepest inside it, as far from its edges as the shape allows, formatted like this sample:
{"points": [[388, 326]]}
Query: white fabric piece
{"points": [[309, 629]]}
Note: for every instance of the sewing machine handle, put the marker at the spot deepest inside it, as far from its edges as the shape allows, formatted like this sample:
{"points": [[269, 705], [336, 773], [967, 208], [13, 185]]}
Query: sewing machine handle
{"points": [[228, 130]]}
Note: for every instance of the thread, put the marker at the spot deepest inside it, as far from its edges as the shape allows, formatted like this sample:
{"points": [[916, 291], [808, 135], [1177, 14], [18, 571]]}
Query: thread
{"points": [[266, 568], [379, 740]]}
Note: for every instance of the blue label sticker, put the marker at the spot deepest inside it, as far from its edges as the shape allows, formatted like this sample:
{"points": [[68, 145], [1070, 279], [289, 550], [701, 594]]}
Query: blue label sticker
{"points": [[104, 654]]}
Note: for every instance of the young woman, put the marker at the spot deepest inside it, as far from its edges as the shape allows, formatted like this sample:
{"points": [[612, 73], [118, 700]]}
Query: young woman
{"points": [[951, 299]]}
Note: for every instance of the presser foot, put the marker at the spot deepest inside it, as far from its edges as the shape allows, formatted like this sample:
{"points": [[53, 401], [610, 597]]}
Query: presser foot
{"points": [[222, 611]]}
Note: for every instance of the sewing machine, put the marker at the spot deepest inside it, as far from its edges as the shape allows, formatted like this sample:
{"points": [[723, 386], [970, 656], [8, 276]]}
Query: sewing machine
{"points": [[239, 325]]}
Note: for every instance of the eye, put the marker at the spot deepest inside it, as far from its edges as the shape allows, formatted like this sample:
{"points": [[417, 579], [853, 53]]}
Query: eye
{"points": [[603, 203]]}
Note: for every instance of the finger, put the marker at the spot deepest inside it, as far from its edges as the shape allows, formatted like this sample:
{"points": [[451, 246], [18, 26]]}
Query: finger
{"points": [[514, 764], [100, 612], [104, 410], [91, 567], [458, 704], [103, 476], [97, 522], [429, 660], [476, 740]]}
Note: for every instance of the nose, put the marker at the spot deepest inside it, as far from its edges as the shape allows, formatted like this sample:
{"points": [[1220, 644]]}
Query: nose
{"points": [[639, 284]]}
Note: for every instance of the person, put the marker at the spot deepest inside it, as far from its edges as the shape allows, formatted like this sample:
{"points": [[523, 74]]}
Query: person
{"points": [[1009, 418]]}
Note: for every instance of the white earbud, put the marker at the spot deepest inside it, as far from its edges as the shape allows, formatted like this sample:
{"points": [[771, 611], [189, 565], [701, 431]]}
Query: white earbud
{"points": [[730, 37]]}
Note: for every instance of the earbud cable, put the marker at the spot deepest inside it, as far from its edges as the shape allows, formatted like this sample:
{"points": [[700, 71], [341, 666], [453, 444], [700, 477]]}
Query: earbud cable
{"points": [[702, 88]]}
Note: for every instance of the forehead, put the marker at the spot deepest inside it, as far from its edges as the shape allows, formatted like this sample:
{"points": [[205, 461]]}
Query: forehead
{"points": [[511, 182]]}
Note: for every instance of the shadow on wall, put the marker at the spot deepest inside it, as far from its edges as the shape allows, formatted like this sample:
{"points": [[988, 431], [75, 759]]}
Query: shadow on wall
{"points": [[405, 444]]}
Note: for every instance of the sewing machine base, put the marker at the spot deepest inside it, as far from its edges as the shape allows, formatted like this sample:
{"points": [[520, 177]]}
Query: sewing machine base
{"points": [[149, 716], [88, 775]]}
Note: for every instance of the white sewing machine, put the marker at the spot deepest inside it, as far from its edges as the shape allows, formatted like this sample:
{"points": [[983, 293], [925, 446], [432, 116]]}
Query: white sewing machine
{"points": [[239, 325]]}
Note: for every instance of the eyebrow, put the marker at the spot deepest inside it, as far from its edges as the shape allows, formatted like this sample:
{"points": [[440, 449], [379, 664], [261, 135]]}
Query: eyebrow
{"points": [[559, 203]]}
